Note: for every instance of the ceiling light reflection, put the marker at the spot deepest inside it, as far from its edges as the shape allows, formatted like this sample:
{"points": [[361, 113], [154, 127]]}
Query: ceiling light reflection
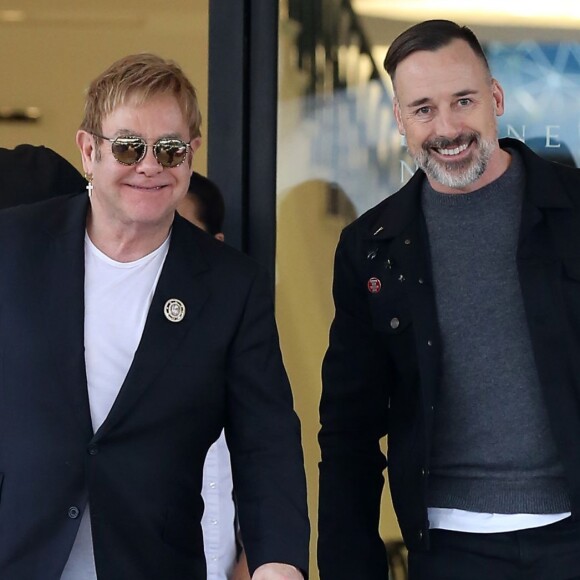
{"points": [[556, 13]]}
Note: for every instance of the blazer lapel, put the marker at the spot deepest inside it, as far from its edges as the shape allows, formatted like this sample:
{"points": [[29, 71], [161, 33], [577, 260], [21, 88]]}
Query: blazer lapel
{"points": [[64, 279], [180, 279]]}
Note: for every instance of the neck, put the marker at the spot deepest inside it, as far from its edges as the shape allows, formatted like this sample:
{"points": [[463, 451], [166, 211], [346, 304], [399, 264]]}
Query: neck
{"points": [[127, 242]]}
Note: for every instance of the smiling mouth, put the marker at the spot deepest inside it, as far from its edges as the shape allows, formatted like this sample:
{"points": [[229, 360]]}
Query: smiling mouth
{"points": [[452, 152], [450, 148], [148, 188]]}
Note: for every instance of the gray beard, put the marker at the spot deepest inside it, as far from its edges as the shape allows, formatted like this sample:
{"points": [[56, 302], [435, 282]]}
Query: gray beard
{"points": [[457, 175]]}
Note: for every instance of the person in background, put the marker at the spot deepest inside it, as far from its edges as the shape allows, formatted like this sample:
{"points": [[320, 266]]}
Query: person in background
{"points": [[30, 173], [204, 206], [129, 339], [457, 335]]}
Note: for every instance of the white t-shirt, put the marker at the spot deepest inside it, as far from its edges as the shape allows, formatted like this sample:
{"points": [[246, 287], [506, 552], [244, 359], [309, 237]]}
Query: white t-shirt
{"points": [[484, 523], [117, 300]]}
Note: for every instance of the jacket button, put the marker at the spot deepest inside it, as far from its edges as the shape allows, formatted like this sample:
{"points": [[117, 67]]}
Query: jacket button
{"points": [[73, 512], [93, 449], [429, 342], [424, 471], [407, 242], [420, 535], [395, 323]]}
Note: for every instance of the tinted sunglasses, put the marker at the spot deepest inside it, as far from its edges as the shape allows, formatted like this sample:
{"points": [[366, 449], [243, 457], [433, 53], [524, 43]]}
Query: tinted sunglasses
{"points": [[130, 150]]}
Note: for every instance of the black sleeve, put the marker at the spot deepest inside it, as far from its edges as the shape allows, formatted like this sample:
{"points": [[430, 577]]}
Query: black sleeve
{"points": [[263, 435], [353, 416]]}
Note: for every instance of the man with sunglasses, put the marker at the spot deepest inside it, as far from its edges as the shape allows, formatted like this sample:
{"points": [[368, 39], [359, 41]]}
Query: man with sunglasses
{"points": [[128, 340]]}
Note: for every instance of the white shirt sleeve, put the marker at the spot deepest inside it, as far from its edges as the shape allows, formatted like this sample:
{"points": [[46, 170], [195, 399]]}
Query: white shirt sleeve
{"points": [[218, 521]]}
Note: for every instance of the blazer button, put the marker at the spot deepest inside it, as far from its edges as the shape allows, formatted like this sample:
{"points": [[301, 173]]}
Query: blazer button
{"points": [[420, 535], [73, 512], [93, 449], [395, 323]]}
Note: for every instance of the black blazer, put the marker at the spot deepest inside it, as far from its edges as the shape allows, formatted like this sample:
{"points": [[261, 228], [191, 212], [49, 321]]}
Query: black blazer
{"points": [[381, 371], [142, 470]]}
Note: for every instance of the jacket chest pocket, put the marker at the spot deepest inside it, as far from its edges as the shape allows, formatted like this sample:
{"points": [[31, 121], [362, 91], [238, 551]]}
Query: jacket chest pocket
{"points": [[390, 313], [387, 292]]}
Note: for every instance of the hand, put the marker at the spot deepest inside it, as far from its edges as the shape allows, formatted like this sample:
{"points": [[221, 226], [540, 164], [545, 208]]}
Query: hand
{"points": [[276, 571], [241, 571]]}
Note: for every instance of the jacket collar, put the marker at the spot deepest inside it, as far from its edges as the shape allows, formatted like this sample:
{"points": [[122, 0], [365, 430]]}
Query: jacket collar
{"points": [[71, 217], [544, 190]]}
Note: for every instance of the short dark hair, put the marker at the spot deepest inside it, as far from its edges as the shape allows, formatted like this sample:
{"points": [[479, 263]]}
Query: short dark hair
{"points": [[210, 205], [429, 35]]}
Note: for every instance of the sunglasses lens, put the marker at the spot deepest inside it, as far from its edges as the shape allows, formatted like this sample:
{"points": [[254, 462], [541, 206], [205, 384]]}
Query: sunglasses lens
{"points": [[170, 152], [128, 150]]}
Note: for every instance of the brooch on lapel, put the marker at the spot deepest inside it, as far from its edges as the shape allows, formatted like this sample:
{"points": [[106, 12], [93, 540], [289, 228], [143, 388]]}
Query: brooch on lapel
{"points": [[174, 310]]}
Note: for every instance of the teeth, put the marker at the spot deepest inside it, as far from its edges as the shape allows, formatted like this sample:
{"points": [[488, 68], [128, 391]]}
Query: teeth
{"points": [[455, 151]]}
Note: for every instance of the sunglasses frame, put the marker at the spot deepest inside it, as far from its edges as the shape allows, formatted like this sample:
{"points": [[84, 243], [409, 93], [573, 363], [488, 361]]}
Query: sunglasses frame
{"points": [[113, 140]]}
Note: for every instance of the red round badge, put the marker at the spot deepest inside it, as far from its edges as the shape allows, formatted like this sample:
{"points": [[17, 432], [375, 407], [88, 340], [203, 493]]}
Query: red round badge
{"points": [[374, 285]]}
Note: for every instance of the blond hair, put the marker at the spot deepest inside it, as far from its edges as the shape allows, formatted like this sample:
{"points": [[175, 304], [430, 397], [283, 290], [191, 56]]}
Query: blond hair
{"points": [[136, 79]]}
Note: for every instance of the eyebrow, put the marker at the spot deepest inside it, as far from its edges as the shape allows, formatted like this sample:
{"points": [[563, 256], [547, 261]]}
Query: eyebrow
{"points": [[131, 133], [458, 94]]}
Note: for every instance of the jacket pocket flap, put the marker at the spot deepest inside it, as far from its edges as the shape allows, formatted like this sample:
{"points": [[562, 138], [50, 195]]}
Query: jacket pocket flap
{"points": [[391, 320]]}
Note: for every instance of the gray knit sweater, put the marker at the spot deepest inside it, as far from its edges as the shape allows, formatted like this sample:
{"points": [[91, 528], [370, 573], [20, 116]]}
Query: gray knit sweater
{"points": [[493, 450]]}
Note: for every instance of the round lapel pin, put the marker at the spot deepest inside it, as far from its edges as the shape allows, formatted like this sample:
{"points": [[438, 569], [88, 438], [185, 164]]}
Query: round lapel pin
{"points": [[174, 310]]}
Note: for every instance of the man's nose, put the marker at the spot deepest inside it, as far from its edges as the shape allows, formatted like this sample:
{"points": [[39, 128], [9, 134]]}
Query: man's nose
{"points": [[149, 164], [448, 124]]}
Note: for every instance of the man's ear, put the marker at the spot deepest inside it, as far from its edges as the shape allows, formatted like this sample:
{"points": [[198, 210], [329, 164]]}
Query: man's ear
{"points": [[397, 112], [195, 145], [498, 98], [86, 144]]}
